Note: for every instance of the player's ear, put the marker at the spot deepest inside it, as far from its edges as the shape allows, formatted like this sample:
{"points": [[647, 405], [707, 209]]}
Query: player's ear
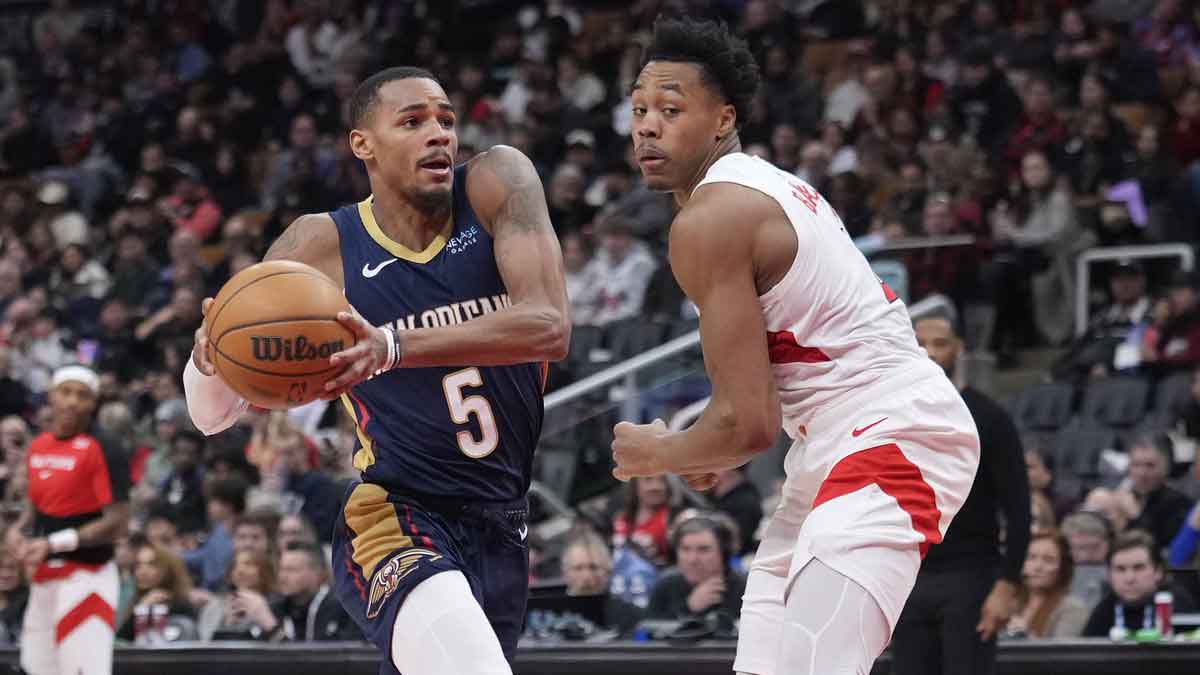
{"points": [[727, 122], [360, 145]]}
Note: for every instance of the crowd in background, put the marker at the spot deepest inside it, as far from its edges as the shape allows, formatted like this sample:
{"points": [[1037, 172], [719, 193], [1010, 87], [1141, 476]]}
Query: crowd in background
{"points": [[151, 148]]}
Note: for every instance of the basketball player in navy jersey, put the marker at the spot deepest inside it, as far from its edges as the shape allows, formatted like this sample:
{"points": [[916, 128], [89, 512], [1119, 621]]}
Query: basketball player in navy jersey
{"points": [[456, 279]]}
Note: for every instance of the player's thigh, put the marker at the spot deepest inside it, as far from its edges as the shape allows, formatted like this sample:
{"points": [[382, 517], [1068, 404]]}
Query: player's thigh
{"points": [[381, 551], [832, 625], [37, 631], [759, 630], [441, 629]]}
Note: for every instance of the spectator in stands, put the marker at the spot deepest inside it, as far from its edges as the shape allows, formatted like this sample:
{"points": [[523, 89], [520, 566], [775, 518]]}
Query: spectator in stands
{"points": [[1183, 546], [1041, 235], [191, 207], [1118, 506], [1041, 512], [162, 579], [580, 276], [14, 442], [1113, 340], [223, 617], [701, 580], [226, 500], [735, 496], [160, 526], [950, 270], [646, 517], [1163, 509], [1045, 608], [1041, 479], [587, 567], [1185, 134], [1040, 127], [313, 490], [967, 589], [983, 101], [307, 611], [1178, 345], [1136, 573], [183, 489], [14, 595], [135, 273], [624, 266], [254, 532], [294, 529]]}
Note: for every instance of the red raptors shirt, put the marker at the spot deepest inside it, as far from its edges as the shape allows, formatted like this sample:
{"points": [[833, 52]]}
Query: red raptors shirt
{"points": [[71, 480]]}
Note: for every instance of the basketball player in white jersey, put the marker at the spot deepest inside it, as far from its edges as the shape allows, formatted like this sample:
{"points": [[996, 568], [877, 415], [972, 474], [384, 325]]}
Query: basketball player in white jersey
{"points": [[793, 320]]}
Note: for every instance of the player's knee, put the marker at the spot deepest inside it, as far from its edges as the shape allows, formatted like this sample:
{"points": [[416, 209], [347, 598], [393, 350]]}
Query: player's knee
{"points": [[441, 630]]}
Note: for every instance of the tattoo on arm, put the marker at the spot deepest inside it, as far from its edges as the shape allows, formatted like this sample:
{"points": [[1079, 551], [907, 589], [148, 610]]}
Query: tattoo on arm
{"points": [[286, 245], [524, 206]]}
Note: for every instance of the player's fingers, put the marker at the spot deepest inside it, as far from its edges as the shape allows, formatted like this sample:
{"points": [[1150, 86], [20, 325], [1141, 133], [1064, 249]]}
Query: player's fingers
{"points": [[623, 427], [355, 354], [355, 323], [703, 481], [346, 379], [205, 304], [622, 474], [659, 425]]}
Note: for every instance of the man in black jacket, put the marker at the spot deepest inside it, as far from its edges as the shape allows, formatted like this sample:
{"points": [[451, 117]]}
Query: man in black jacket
{"points": [[307, 612], [967, 589], [1135, 573]]}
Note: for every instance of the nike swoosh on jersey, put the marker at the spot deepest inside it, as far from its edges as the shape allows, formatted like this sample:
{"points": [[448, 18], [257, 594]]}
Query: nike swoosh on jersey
{"points": [[862, 430], [369, 271]]}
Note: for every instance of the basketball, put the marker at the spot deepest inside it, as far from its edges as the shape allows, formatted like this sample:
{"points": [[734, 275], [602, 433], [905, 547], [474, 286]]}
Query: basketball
{"points": [[272, 329]]}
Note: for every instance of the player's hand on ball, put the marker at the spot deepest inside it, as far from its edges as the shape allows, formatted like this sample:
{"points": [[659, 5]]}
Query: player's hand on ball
{"points": [[635, 449], [200, 349], [360, 361]]}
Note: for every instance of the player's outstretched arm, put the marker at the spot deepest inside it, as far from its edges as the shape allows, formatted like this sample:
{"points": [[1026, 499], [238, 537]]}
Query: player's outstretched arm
{"points": [[311, 239], [712, 256]]}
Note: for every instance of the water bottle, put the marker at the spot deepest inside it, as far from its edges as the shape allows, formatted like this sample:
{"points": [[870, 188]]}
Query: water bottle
{"points": [[141, 626], [1164, 606]]}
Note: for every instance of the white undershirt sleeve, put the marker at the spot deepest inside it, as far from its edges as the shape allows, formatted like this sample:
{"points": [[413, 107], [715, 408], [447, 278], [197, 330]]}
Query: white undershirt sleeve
{"points": [[213, 406]]}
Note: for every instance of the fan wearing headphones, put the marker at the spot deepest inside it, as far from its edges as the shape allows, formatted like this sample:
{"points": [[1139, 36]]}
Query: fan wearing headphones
{"points": [[701, 581], [1163, 508]]}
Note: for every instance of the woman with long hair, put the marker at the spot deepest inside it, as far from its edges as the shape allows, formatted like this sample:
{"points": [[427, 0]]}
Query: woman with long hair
{"points": [[251, 571], [646, 518], [161, 579], [1045, 607]]}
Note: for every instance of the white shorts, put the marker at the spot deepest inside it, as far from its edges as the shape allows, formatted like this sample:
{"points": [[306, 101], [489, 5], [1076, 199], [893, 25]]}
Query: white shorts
{"points": [[68, 626], [871, 483]]}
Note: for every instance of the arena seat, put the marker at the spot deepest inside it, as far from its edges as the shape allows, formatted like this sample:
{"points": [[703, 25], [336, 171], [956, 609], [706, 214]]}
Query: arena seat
{"points": [[1115, 402], [1043, 406]]}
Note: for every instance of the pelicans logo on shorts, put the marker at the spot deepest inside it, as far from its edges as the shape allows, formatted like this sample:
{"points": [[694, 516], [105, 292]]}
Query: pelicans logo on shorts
{"points": [[387, 579]]}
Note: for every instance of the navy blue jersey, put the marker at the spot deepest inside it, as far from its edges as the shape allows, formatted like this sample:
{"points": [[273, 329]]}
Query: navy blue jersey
{"points": [[465, 432]]}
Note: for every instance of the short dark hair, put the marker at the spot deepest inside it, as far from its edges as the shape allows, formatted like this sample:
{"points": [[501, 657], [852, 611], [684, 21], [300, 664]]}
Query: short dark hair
{"points": [[230, 490], [366, 94], [1160, 443], [314, 553], [189, 435], [726, 63], [1132, 539]]}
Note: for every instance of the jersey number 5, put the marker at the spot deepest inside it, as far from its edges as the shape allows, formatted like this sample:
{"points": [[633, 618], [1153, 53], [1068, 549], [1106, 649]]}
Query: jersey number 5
{"points": [[461, 409]]}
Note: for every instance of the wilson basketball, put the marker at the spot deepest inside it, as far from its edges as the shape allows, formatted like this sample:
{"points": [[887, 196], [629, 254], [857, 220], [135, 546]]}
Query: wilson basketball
{"points": [[272, 329]]}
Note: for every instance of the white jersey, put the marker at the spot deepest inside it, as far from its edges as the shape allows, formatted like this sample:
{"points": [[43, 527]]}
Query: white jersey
{"points": [[833, 328]]}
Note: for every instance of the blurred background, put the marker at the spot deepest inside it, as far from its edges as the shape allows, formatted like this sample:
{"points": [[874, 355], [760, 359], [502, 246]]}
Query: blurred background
{"points": [[1026, 167]]}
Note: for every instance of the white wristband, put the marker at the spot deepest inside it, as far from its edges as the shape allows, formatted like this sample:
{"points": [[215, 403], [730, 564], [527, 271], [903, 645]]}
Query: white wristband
{"points": [[390, 360], [63, 541]]}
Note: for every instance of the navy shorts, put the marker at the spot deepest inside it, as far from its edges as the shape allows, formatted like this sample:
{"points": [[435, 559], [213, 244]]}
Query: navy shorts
{"points": [[385, 544]]}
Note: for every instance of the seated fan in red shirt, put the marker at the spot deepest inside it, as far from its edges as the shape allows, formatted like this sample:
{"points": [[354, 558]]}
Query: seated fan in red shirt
{"points": [[78, 494]]}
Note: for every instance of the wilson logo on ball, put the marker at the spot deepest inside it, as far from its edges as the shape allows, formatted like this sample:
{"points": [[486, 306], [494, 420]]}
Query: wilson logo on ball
{"points": [[270, 348]]}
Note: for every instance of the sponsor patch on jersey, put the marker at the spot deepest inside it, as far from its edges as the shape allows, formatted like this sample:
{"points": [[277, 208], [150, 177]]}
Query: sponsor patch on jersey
{"points": [[387, 578]]}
